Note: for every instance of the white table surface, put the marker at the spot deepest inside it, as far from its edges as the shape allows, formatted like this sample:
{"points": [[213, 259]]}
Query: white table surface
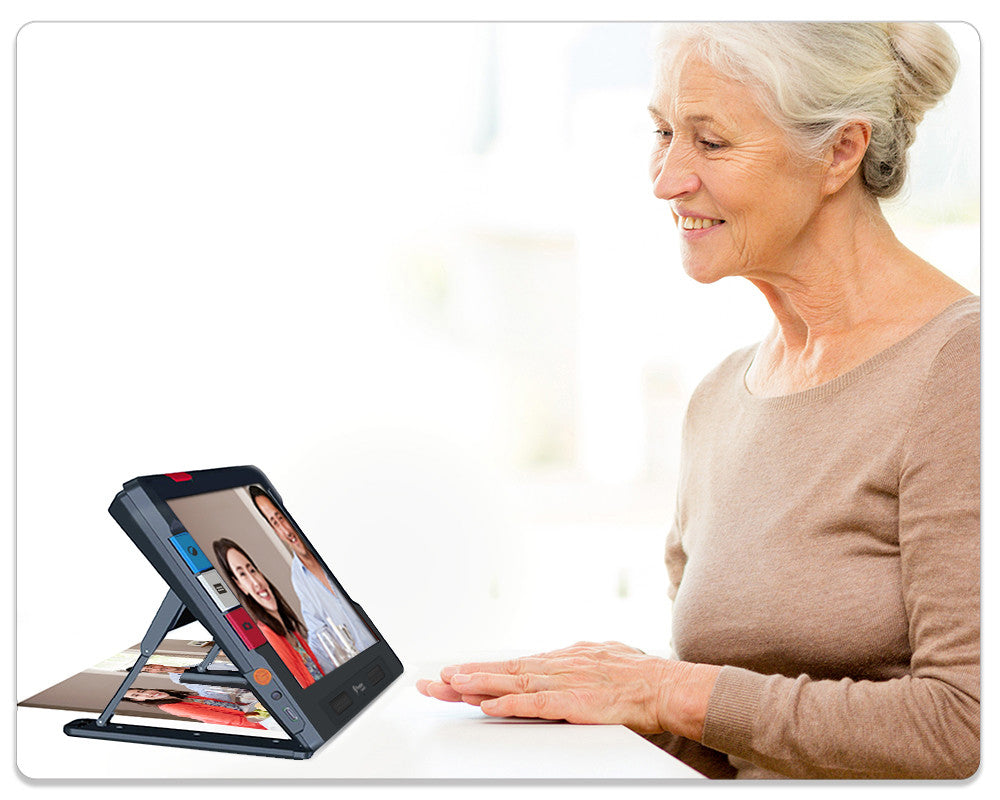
{"points": [[401, 736]]}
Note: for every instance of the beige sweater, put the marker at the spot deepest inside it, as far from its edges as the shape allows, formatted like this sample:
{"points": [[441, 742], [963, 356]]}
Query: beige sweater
{"points": [[826, 551]]}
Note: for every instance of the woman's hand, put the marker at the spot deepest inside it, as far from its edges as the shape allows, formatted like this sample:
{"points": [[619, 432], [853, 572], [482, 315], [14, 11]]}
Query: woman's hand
{"points": [[587, 683]]}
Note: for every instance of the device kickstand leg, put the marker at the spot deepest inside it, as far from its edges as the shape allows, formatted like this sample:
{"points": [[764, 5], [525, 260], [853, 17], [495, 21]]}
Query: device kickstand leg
{"points": [[171, 614], [207, 661]]}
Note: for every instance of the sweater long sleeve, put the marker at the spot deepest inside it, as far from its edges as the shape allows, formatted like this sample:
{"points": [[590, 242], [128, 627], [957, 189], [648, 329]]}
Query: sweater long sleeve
{"points": [[826, 553]]}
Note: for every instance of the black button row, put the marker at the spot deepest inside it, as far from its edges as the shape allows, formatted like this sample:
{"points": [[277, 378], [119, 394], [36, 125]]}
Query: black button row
{"points": [[343, 701]]}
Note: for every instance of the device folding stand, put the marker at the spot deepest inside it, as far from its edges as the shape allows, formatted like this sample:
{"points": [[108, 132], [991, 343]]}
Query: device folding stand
{"points": [[173, 614]]}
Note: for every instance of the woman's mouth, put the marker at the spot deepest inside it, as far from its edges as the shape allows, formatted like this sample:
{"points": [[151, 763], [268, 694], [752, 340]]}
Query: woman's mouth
{"points": [[697, 223]]}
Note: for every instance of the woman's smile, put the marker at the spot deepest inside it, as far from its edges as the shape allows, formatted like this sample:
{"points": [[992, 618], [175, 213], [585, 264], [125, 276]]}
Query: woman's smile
{"points": [[691, 226], [263, 593]]}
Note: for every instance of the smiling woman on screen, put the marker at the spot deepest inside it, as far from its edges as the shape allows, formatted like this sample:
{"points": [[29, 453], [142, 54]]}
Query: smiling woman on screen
{"points": [[275, 618], [824, 557]]}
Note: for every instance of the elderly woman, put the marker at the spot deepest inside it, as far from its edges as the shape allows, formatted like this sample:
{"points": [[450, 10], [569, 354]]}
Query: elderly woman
{"points": [[824, 558]]}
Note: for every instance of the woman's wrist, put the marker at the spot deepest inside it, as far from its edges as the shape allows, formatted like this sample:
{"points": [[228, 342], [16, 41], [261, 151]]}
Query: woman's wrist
{"points": [[682, 703]]}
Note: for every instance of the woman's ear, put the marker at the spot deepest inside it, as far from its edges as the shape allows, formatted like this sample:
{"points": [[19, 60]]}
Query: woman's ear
{"points": [[845, 154]]}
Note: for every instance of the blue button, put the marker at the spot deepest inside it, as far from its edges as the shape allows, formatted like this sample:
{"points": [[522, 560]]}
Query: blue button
{"points": [[196, 560]]}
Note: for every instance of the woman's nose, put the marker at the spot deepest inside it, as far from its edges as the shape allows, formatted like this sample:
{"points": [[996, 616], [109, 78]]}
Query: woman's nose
{"points": [[673, 175]]}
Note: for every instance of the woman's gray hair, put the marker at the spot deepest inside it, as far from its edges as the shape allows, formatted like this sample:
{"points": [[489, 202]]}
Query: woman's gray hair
{"points": [[814, 78]]}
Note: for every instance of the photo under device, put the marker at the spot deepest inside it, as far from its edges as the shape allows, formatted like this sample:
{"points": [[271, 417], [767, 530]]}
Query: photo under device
{"points": [[235, 560]]}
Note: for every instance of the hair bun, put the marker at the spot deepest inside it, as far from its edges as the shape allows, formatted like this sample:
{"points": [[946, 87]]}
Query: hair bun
{"points": [[812, 78], [927, 63]]}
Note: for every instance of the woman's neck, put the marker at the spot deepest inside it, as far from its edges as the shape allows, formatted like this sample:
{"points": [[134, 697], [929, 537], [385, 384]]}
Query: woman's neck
{"points": [[853, 291]]}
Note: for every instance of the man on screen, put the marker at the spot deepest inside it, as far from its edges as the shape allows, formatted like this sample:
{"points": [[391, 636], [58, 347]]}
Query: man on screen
{"points": [[335, 631]]}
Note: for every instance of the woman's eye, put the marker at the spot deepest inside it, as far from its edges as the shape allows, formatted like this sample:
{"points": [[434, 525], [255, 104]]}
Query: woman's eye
{"points": [[710, 145], [661, 133]]}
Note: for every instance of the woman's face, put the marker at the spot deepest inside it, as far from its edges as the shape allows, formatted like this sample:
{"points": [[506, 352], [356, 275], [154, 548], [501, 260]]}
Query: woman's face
{"points": [[742, 204], [161, 668], [250, 581], [142, 695]]}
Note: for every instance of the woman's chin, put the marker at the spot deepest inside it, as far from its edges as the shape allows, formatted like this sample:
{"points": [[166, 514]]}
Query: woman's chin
{"points": [[703, 273]]}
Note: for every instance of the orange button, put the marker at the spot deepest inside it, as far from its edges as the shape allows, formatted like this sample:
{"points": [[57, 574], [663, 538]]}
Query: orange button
{"points": [[262, 676]]}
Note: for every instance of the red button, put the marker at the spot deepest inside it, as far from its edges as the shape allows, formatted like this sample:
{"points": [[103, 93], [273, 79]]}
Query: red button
{"points": [[177, 477], [244, 625]]}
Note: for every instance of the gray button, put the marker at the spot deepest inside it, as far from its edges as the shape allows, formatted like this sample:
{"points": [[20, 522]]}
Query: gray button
{"points": [[218, 590]]}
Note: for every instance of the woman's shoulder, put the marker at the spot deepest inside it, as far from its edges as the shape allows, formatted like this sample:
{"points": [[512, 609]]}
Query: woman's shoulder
{"points": [[731, 370], [964, 320], [719, 387], [962, 316], [951, 351], [950, 340]]}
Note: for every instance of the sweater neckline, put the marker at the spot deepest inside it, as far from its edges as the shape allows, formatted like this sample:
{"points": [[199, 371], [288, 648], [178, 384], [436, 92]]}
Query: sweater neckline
{"points": [[842, 381]]}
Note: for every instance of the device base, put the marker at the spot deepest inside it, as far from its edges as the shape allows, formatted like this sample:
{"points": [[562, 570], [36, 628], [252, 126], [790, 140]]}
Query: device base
{"points": [[196, 740]]}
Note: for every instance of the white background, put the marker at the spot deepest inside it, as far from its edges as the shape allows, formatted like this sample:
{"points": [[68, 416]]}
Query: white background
{"points": [[196, 287]]}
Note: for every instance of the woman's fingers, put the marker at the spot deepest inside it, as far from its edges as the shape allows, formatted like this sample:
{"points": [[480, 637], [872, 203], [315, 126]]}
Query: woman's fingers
{"points": [[443, 691], [537, 705], [540, 663], [439, 690], [474, 687], [494, 685], [513, 666]]}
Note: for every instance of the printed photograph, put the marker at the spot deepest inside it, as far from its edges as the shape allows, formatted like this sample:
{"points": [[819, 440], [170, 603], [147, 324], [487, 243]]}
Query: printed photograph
{"points": [[165, 689]]}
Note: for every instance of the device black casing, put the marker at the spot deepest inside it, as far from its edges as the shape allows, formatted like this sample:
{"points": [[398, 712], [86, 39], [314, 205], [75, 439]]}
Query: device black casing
{"points": [[311, 715]]}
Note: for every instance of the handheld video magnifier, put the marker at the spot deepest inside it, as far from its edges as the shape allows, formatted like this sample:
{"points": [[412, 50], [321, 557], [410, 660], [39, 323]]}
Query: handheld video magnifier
{"points": [[234, 560]]}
